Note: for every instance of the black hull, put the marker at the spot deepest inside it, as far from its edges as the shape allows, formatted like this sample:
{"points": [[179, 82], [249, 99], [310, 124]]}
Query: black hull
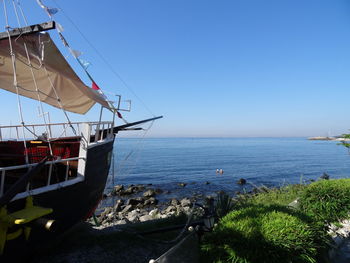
{"points": [[70, 204]]}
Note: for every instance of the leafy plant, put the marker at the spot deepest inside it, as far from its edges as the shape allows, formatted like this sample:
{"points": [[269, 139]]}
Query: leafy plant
{"points": [[261, 233], [224, 205], [327, 200], [264, 229], [345, 143]]}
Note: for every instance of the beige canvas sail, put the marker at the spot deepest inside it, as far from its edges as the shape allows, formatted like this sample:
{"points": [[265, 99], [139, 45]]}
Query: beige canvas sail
{"points": [[74, 95]]}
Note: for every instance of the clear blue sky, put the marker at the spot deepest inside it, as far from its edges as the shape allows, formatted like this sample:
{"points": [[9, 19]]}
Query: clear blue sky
{"points": [[217, 68]]}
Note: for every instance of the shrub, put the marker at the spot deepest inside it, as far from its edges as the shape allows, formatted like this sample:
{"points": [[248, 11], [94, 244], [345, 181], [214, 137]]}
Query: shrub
{"points": [[277, 196], [224, 204], [262, 234], [327, 200]]}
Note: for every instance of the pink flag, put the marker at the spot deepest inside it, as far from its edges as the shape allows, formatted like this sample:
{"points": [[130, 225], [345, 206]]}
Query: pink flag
{"points": [[94, 86]]}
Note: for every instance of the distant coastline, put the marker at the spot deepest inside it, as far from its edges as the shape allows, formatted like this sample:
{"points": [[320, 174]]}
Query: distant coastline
{"points": [[326, 138]]}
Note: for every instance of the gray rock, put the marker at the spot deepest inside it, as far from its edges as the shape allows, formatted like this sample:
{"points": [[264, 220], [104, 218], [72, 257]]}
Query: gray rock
{"points": [[135, 201], [137, 188], [170, 209], [118, 188], [129, 191], [121, 222], [187, 210], [133, 218], [150, 201], [149, 193], [174, 202], [118, 205], [185, 202], [106, 211], [126, 209], [154, 213], [145, 218]]}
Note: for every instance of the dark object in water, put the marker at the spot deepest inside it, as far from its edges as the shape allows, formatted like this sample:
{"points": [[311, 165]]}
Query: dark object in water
{"points": [[242, 181], [324, 176]]}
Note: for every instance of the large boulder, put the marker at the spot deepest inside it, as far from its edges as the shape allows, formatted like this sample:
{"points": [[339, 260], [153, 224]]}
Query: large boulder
{"points": [[185, 202], [149, 193], [154, 213], [133, 216], [145, 218], [135, 201], [150, 201]]}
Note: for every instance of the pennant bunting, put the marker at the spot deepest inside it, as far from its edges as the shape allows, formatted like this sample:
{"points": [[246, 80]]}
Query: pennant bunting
{"points": [[119, 115], [75, 53], [94, 86], [59, 27], [48, 10], [85, 64], [51, 11], [65, 43]]}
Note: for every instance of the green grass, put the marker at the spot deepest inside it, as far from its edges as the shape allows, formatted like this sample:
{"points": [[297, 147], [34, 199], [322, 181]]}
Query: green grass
{"points": [[263, 228], [277, 196], [327, 200], [263, 233]]}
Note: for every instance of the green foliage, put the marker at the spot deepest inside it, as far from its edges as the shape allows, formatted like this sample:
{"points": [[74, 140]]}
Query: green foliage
{"points": [[277, 196], [327, 200], [264, 229], [224, 204], [259, 233], [345, 143]]}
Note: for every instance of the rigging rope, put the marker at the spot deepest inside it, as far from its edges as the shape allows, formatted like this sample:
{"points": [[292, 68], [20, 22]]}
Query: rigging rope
{"points": [[139, 147], [15, 83], [111, 68], [51, 83], [48, 131]]}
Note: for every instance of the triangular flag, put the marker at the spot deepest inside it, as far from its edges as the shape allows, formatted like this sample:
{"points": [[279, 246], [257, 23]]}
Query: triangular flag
{"points": [[75, 53], [85, 64], [119, 115], [94, 86], [51, 11]]}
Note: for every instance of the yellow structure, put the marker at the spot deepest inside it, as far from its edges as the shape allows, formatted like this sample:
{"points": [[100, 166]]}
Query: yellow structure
{"points": [[20, 218]]}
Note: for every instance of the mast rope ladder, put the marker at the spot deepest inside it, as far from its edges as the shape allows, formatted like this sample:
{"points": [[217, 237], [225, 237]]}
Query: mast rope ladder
{"points": [[15, 84]]}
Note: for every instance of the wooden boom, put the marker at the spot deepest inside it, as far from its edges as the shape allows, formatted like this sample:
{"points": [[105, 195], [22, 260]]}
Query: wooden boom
{"points": [[29, 30]]}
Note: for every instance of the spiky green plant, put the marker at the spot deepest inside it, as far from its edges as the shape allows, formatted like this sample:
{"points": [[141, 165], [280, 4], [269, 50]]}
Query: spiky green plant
{"points": [[224, 204]]}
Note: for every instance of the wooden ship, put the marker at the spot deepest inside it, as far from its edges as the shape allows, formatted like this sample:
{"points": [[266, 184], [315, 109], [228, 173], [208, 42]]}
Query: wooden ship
{"points": [[50, 182]]}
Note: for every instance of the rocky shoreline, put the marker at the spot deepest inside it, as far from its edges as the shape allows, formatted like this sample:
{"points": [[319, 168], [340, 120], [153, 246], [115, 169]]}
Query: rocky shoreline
{"points": [[140, 203]]}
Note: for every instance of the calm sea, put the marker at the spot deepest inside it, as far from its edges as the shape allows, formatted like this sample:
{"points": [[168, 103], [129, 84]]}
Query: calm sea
{"points": [[164, 162]]}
